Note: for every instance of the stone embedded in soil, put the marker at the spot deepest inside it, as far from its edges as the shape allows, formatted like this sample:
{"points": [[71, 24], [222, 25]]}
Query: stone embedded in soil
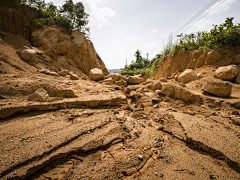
{"points": [[218, 88]]}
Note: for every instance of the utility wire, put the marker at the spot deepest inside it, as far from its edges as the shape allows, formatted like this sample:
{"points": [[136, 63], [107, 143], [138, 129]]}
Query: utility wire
{"points": [[191, 20], [204, 15], [196, 15]]}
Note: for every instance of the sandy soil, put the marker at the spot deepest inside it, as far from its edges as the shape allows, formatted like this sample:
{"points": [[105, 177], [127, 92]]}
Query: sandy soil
{"points": [[107, 133]]}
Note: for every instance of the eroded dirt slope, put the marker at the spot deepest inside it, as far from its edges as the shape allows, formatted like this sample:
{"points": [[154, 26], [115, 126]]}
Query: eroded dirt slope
{"points": [[113, 132]]}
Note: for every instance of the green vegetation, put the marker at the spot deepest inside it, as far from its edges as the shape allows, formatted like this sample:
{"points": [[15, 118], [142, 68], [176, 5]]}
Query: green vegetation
{"points": [[71, 16], [223, 35]]}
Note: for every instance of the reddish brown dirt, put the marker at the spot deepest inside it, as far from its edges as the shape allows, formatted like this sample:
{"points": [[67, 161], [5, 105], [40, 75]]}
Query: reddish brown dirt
{"points": [[106, 133]]}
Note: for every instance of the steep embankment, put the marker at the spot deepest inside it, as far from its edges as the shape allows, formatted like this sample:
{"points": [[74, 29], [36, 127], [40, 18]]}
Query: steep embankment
{"points": [[60, 49], [181, 60]]}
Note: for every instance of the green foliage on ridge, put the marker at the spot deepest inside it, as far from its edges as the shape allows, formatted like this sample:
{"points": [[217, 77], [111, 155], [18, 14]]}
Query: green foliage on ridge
{"points": [[223, 35], [71, 16]]}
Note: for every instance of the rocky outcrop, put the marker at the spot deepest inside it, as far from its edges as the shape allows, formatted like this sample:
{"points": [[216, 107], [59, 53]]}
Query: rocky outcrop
{"points": [[218, 88], [67, 51]]}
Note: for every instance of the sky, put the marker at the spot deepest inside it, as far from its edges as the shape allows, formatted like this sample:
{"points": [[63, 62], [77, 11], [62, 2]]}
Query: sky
{"points": [[119, 27]]}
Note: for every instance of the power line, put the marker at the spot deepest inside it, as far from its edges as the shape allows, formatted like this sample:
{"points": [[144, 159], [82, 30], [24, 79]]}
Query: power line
{"points": [[196, 15], [190, 21], [205, 15]]}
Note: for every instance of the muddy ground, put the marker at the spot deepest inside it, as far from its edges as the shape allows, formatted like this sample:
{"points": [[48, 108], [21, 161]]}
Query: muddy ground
{"points": [[105, 132]]}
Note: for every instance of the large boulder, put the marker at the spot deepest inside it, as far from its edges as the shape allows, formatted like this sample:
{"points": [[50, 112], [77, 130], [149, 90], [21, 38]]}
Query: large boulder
{"points": [[187, 76], [175, 91], [135, 80], [212, 57], [39, 95], [226, 72], [218, 88], [96, 74], [29, 54]]}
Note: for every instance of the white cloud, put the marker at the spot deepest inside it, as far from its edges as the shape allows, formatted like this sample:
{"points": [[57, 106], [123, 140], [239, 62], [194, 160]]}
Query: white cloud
{"points": [[130, 41], [154, 31], [127, 41], [98, 16]]}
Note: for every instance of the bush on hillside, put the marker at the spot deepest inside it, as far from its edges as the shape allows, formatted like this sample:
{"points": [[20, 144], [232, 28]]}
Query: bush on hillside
{"points": [[71, 16]]}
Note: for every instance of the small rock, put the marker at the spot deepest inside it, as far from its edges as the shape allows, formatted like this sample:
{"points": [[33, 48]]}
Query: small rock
{"points": [[121, 83], [155, 100], [163, 80], [160, 127], [74, 76], [45, 71], [39, 95], [29, 55], [140, 157], [54, 74], [108, 81], [156, 106], [157, 86], [63, 72], [199, 75], [148, 81], [181, 84]]}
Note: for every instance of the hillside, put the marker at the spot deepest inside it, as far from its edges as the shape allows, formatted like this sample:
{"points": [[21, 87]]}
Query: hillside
{"points": [[56, 122]]}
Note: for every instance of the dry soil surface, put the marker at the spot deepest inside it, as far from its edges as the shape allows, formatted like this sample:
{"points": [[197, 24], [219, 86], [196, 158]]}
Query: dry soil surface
{"points": [[106, 133]]}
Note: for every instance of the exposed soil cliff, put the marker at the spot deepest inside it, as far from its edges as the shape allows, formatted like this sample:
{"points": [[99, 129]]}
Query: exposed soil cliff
{"points": [[182, 60], [55, 41]]}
